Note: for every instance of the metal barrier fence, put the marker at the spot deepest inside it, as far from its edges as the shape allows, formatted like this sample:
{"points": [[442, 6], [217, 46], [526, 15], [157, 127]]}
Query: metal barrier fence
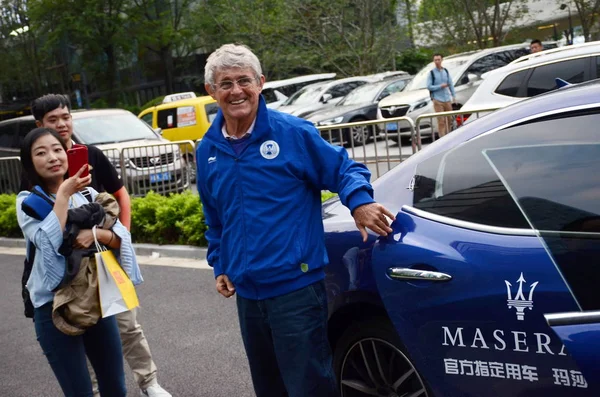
{"points": [[162, 167], [424, 123], [10, 174], [386, 152], [170, 167]]}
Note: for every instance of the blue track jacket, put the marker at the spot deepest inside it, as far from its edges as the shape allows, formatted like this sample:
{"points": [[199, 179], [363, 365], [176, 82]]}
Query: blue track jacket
{"points": [[263, 207]]}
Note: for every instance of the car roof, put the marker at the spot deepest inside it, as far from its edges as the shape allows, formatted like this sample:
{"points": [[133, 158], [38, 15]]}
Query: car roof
{"points": [[77, 114], [201, 100], [559, 50], [298, 80], [556, 54]]}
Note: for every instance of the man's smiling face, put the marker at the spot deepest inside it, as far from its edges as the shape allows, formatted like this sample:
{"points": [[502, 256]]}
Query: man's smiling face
{"points": [[240, 101]]}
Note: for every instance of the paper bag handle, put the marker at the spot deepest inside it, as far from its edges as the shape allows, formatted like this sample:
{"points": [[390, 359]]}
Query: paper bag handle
{"points": [[98, 245]]}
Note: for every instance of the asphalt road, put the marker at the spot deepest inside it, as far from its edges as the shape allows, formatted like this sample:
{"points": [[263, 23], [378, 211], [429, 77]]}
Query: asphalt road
{"points": [[193, 334]]}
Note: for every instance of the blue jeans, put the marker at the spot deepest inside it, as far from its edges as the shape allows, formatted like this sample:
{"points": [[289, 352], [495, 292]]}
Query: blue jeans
{"points": [[66, 355], [286, 343]]}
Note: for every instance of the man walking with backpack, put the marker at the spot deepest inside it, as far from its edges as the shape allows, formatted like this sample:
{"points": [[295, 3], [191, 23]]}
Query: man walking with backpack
{"points": [[441, 90]]}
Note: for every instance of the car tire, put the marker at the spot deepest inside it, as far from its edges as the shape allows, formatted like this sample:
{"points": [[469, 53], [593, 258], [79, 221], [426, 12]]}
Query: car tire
{"points": [[359, 351], [359, 135]]}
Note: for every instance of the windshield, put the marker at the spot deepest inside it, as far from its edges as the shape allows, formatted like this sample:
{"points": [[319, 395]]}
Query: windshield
{"points": [[364, 94], [110, 128], [420, 79], [309, 94]]}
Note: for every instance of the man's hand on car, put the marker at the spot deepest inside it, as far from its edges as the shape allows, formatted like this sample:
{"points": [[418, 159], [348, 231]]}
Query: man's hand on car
{"points": [[373, 216]]}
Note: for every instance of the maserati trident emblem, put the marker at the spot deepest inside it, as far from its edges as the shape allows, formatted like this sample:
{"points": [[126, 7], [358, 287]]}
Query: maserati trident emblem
{"points": [[518, 301]]}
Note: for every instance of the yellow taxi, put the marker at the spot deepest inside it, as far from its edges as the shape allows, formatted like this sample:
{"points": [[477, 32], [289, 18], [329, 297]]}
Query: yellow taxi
{"points": [[182, 116]]}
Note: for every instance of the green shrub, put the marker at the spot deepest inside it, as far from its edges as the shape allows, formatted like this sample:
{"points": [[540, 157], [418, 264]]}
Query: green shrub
{"points": [[153, 102], [155, 219], [9, 226]]}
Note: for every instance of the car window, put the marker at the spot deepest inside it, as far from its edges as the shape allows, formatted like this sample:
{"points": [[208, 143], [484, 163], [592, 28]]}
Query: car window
{"points": [[543, 77], [463, 184], [148, 118], [485, 64], [556, 184], [7, 135], [343, 89], [95, 129], [25, 126], [511, 84], [182, 116], [506, 57], [598, 67], [211, 110], [392, 88]]}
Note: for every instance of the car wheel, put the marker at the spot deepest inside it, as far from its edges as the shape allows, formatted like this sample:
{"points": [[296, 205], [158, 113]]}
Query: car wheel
{"points": [[358, 134], [369, 361]]}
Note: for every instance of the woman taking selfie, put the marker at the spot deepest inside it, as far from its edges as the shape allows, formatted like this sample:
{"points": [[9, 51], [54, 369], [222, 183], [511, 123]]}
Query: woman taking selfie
{"points": [[44, 161]]}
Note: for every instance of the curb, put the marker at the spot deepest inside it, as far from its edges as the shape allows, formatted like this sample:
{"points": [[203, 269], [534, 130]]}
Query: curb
{"points": [[167, 251]]}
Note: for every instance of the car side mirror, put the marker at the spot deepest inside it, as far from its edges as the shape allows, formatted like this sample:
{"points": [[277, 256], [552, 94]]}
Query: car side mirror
{"points": [[326, 98], [158, 131], [472, 77]]}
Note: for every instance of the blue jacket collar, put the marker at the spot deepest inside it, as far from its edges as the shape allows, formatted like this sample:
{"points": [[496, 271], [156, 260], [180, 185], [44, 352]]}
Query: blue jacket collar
{"points": [[262, 127]]}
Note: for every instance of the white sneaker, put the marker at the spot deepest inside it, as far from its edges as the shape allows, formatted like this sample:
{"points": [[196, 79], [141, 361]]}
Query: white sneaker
{"points": [[155, 391]]}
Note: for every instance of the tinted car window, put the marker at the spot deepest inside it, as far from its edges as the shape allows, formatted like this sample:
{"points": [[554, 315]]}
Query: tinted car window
{"points": [[7, 135], [24, 127], [463, 184], [341, 90], [556, 184], [485, 64], [543, 78], [182, 116], [211, 111], [511, 84], [597, 67], [507, 57], [148, 118]]}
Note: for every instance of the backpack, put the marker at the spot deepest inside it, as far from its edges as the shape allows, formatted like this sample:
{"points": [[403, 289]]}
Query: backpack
{"points": [[433, 80], [31, 206]]}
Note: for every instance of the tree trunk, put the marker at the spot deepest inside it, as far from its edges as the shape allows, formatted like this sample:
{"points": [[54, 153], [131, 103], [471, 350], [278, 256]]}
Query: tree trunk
{"points": [[166, 55], [111, 75]]}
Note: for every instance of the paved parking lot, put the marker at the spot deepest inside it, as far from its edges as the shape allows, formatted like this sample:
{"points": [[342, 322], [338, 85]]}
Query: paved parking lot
{"points": [[192, 331]]}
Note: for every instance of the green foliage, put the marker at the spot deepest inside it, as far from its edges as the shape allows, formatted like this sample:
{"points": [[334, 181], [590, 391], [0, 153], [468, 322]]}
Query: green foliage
{"points": [[155, 219], [176, 219], [8, 216], [412, 60], [154, 102]]}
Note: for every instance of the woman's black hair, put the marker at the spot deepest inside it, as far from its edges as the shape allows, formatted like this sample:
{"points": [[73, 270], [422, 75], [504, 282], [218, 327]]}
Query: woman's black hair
{"points": [[26, 159]]}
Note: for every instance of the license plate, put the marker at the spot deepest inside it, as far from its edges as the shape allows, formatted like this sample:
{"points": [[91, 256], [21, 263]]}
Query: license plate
{"points": [[163, 176], [392, 127]]}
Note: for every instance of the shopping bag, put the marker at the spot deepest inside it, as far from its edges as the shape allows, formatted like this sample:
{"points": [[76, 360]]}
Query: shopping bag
{"points": [[117, 293]]}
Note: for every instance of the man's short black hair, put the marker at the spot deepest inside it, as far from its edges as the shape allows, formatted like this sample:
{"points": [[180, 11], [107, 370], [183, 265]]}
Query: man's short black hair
{"points": [[437, 54], [48, 103], [536, 41]]}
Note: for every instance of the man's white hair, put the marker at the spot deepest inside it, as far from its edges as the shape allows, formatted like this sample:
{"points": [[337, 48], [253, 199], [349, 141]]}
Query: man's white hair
{"points": [[230, 56]]}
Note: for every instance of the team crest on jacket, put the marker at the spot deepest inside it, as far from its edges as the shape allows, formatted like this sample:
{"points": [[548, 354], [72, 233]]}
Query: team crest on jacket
{"points": [[269, 150]]}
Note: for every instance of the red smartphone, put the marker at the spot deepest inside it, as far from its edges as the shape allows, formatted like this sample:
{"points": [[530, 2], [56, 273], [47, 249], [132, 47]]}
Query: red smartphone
{"points": [[77, 157]]}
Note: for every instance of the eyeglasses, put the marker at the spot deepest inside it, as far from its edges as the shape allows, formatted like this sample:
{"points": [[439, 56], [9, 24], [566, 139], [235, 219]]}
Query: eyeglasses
{"points": [[227, 85]]}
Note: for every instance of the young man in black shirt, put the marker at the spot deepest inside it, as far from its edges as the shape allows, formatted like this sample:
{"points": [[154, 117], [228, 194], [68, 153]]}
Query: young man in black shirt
{"points": [[54, 111]]}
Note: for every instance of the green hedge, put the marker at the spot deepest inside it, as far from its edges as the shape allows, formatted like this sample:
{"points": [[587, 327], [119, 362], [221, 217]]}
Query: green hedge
{"points": [[155, 219]]}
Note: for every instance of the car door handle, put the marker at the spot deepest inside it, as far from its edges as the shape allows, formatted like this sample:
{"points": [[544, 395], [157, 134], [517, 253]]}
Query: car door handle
{"points": [[403, 273]]}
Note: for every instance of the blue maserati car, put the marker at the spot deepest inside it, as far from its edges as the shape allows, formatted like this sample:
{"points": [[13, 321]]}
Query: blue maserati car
{"points": [[489, 284]]}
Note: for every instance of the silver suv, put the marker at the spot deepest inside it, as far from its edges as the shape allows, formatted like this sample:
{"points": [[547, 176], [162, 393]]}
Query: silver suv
{"points": [[149, 162]]}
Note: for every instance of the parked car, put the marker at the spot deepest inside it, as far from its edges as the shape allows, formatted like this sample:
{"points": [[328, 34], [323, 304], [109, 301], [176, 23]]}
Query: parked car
{"points": [[277, 91], [359, 105], [465, 69], [536, 74], [497, 226], [318, 96], [149, 165]]}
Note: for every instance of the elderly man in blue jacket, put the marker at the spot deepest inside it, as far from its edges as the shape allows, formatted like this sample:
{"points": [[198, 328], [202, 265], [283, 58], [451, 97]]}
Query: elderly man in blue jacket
{"points": [[260, 174]]}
